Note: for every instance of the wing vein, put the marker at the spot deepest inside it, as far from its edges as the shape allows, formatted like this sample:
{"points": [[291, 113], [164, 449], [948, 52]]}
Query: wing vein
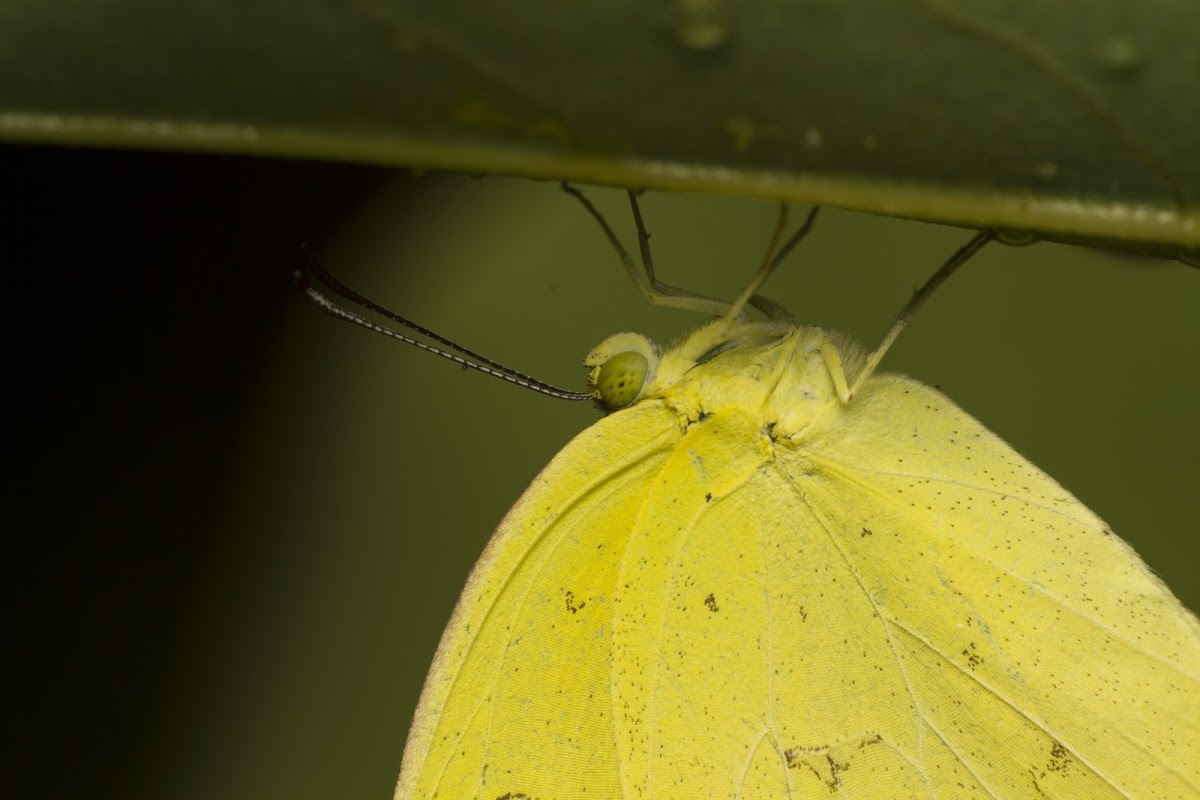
{"points": [[846, 472], [1007, 701], [825, 460], [887, 618], [870, 599], [593, 490]]}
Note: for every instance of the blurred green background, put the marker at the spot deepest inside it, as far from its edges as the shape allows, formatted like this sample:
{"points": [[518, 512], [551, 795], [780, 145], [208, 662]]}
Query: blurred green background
{"points": [[244, 524]]}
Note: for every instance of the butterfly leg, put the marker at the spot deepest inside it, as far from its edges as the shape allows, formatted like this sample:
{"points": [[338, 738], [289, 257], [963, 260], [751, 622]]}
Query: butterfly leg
{"points": [[774, 257], [652, 289], [837, 371], [663, 294], [961, 256]]}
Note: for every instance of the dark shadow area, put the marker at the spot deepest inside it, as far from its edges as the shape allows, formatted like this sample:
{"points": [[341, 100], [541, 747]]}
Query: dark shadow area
{"points": [[143, 290]]}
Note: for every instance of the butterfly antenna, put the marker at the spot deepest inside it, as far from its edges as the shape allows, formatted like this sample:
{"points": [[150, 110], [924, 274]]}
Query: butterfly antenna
{"points": [[468, 358], [960, 257]]}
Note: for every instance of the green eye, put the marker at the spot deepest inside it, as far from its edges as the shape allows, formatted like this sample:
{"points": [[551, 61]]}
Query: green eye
{"points": [[621, 378]]}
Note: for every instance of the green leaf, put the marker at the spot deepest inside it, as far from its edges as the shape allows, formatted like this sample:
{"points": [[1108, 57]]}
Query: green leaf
{"points": [[1075, 121]]}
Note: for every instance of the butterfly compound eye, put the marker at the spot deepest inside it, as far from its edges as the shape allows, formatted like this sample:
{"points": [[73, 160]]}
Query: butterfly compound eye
{"points": [[621, 378]]}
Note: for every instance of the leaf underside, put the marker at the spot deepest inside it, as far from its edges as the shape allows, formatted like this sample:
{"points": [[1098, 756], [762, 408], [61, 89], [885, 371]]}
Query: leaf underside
{"points": [[1015, 115]]}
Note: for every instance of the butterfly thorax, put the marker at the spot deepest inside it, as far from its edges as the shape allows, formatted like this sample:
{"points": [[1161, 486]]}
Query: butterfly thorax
{"points": [[782, 376]]}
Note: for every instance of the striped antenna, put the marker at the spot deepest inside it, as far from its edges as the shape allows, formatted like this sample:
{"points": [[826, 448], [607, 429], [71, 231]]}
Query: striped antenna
{"points": [[468, 358]]}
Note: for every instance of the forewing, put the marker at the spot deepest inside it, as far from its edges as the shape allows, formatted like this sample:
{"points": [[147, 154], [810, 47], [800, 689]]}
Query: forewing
{"points": [[517, 703]]}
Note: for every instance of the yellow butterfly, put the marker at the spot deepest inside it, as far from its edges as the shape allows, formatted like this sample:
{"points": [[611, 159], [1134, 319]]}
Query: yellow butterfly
{"points": [[774, 573]]}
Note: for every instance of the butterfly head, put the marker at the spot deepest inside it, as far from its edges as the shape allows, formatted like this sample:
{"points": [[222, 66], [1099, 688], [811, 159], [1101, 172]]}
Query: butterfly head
{"points": [[621, 368]]}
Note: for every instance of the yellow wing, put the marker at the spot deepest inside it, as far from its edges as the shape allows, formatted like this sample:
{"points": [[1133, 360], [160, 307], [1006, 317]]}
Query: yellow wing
{"points": [[739, 587], [517, 699], [899, 605], [1037, 654]]}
